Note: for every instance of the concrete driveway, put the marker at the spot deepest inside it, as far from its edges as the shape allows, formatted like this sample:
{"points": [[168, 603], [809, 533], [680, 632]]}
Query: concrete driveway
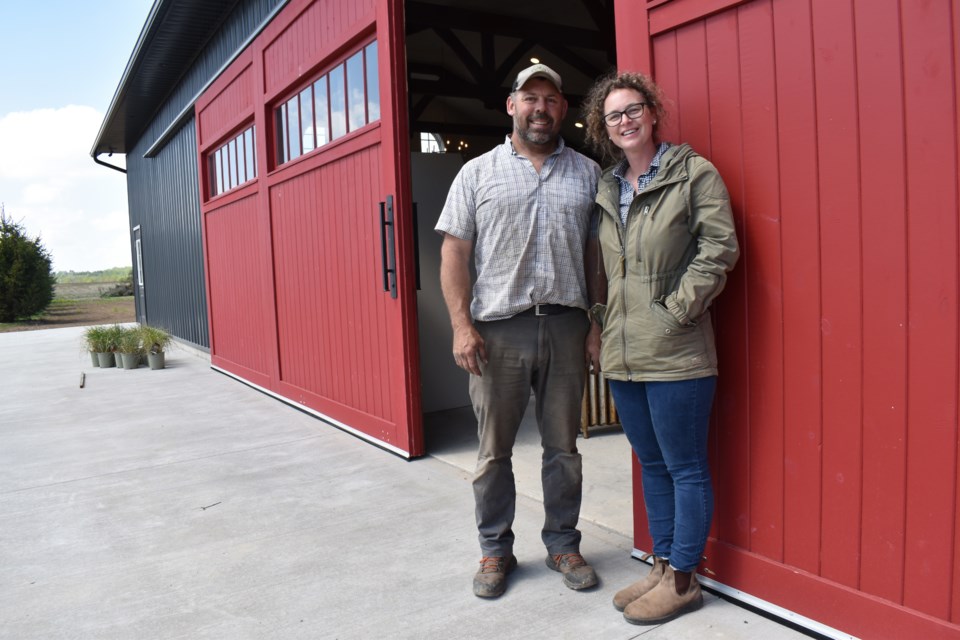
{"points": [[183, 504]]}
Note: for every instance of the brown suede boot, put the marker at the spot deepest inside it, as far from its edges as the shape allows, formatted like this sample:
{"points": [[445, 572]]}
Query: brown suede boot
{"points": [[663, 602], [628, 594]]}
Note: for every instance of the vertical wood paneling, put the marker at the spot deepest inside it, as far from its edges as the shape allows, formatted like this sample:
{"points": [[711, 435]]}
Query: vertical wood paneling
{"points": [[330, 184], [931, 122], [666, 72], [329, 312], [761, 214], [671, 13], [800, 264], [332, 339], [633, 41], [835, 126], [880, 91], [835, 68], [237, 286], [313, 35], [236, 98], [731, 432], [955, 584], [692, 87]]}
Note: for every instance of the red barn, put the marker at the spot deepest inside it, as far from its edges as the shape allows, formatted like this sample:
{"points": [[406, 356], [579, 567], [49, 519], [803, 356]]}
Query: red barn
{"points": [[273, 164]]}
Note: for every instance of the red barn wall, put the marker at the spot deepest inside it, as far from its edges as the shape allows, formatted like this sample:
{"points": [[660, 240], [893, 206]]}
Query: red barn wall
{"points": [[835, 440]]}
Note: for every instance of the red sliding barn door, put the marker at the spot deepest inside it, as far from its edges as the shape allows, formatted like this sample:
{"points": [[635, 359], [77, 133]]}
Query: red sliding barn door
{"points": [[313, 277], [835, 440]]}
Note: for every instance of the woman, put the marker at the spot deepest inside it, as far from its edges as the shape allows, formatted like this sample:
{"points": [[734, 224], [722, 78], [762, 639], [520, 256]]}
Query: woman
{"points": [[661, 245]]}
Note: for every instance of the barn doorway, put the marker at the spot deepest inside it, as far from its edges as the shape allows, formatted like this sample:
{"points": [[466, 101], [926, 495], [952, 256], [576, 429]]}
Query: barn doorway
{"points": [[462, 57]]}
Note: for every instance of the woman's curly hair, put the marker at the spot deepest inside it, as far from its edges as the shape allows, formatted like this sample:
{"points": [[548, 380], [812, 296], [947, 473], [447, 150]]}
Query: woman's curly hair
{"points": [[596, 130]]}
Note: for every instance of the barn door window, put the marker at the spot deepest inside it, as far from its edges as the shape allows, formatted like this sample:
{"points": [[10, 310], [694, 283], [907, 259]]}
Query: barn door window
{"points": [[343, 99], [234, 163]]}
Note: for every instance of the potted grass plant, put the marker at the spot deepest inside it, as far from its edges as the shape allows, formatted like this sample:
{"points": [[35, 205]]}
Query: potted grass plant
{"points": [[155, 342], [95, 339], [130, 347], [114, 334]]}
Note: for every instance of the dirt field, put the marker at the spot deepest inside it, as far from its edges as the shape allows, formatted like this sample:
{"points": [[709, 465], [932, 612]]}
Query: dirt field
{"points": [[80, 305]]}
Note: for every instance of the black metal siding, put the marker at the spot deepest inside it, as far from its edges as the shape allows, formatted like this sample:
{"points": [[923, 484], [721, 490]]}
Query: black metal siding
{"points": [[166, 205], [164, 195]]}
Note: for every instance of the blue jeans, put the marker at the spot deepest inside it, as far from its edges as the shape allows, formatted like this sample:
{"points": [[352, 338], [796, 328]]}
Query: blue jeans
{"points": [[666, 424]]}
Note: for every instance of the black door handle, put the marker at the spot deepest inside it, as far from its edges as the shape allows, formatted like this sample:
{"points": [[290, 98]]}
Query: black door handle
{"points": [[388, 253]]}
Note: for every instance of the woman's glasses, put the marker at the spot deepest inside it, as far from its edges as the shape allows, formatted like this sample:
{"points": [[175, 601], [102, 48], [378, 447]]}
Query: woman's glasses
{"points": [[633, 112]]}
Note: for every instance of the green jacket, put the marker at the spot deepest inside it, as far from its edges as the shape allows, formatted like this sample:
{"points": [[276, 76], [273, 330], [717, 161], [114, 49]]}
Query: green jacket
{"points": [[664, 268]]}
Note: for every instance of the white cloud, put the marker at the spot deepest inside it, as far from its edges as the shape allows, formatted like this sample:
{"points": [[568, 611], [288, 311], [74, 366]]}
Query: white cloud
{"points": [[41, 193], [49, 182]]}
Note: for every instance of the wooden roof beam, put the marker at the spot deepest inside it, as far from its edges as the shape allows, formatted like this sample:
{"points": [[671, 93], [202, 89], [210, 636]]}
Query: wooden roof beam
{"points": [[420, 14]]}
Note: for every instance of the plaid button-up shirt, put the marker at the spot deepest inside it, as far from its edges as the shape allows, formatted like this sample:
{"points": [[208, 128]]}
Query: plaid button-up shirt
{"points": [[530, 229], [643, 180]]}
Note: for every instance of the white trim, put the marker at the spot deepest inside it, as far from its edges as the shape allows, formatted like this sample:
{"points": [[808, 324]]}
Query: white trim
{"points": [[763, 605], [139, 247], [316, 414]]}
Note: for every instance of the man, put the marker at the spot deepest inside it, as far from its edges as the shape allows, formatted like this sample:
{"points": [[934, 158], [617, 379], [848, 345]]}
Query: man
{"points": [[526, 206]]}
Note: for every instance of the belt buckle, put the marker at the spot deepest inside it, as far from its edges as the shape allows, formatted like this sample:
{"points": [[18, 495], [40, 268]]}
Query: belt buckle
{"points": [[536, 310]]}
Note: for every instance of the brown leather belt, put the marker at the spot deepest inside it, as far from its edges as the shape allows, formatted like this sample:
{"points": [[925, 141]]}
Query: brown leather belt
{"points": [[547, 310]]}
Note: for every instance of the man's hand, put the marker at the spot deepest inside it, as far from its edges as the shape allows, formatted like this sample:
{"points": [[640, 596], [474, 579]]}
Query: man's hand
{"points": [[468, 349], [592, 348]]}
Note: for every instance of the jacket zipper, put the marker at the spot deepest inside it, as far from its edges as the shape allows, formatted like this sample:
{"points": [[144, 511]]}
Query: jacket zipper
{"points": [[622, 228], [622, 231]]}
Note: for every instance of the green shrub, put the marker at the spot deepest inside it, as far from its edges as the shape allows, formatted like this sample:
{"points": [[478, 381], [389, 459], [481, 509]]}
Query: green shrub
{"points": [[26, 279]]}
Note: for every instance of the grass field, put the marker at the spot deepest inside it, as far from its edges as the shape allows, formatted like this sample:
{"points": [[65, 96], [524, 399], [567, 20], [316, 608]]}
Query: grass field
{"points": [[78, 305], [81, 290]]}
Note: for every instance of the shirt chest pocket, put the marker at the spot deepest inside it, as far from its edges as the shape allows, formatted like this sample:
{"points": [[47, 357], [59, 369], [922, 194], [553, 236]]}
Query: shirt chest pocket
{"points": [[566, 209]]}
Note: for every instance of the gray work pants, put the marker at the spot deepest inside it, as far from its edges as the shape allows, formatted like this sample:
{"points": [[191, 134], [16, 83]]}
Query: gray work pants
{"points": [[546, 355]]}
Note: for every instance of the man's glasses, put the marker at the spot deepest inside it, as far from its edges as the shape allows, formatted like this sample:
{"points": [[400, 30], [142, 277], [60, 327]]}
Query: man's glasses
{"points": [[633, 112]]}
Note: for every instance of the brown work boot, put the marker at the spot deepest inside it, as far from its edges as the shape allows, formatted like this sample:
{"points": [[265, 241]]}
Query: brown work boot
{"points": [[491, 580], [577, 574], [663, 603], [628, 594]]}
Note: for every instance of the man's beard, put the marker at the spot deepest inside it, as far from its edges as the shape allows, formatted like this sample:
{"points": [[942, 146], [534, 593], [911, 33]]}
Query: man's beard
{"points": [[534, 137]]}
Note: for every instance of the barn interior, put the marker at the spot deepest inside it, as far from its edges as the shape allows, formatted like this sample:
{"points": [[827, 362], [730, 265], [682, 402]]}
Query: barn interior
{"points": [[463, 55]]}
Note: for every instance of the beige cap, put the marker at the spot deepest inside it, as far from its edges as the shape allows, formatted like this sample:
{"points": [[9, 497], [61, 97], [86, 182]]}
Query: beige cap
{"points": [[537, 71]]}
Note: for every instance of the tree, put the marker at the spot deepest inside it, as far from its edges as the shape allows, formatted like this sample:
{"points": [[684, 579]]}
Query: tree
{"points": [[26, 277]]}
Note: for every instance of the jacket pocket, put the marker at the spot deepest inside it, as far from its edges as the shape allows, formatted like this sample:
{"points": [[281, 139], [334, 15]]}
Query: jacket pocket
{"points": [[667, 320], [668, 346]]}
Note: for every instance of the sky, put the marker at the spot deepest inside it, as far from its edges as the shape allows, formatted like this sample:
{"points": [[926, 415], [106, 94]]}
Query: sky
{"points": [[60, 64]]}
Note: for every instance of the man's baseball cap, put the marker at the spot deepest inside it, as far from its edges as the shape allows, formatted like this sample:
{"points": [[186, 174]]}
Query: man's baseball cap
{"points": [[537, 71]]}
